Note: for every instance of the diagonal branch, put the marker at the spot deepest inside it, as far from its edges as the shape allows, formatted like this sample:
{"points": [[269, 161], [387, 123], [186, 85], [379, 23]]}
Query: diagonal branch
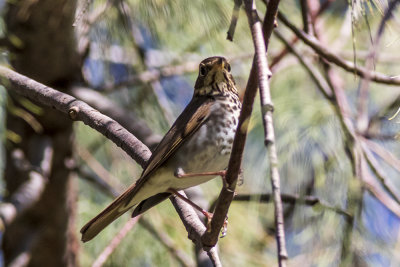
{"points": [[30, 191], [79, 110], [126, 118], [261, 38], [102, 258], [292, 199], [363, 91], [210, 238], [332, 57]]}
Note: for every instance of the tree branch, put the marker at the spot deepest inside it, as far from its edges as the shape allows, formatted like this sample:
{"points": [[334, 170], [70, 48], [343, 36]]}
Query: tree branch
{"points": [[227, 193], [79, 110], [291, 199], [31, 190], [332, 57], [363, 91], [126, 118], [102, 258], [196, 230], [261, 37]]}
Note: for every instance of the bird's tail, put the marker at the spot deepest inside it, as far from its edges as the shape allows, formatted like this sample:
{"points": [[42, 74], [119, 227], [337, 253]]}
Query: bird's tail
{"points": [[107, 216]]}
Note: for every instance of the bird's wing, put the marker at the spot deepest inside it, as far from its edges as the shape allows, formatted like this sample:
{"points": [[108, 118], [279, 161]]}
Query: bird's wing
{"points": [[190, 120], [195, 114]]}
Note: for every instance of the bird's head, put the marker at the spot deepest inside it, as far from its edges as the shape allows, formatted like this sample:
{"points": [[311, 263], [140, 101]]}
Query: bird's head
{"points": [[215, 78]]}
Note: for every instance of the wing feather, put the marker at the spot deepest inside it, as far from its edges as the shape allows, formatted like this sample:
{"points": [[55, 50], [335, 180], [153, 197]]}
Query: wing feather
{"points": [[191, 119], [194, 115]]}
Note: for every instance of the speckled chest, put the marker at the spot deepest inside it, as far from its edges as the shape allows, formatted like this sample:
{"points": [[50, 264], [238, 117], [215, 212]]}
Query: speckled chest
{"points": [[210, 147]]}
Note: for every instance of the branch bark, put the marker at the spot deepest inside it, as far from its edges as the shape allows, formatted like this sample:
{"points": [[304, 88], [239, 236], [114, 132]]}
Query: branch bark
{"points": [[79, 110], [31, 190], [261, 38], [332, 57], [126, 118]]}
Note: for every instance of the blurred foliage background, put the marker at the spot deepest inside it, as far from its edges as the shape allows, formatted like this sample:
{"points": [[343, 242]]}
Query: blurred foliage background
{"points": [[131, 37]]}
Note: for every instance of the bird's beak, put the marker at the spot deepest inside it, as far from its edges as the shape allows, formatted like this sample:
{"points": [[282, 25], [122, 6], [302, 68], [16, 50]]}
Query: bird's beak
{"points": [[220, 65]]}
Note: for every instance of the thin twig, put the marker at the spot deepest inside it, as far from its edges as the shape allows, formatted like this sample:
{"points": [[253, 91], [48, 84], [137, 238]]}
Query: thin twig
{"points": [[96, 180], [234, 19], [30, 191], [334, 58], [79, 110], [377, 117], [227, 193], [194, 227], [339, 103], [291, 199], [310, 68], [353, 151], [363, 92], [164, 239], [126, 118], [379, 173], [382, 152], [179, 255], [97, 167], [156, 74], [261, 36], [279, 56], [102, 258], [305, 16]]}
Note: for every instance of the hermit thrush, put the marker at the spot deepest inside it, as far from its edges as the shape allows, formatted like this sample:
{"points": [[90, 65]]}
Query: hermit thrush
{"points": [[199, 142]]}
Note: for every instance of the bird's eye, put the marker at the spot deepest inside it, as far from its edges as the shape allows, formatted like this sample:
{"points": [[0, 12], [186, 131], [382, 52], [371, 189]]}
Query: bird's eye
{"points": [[228, 67], [203, 70]]}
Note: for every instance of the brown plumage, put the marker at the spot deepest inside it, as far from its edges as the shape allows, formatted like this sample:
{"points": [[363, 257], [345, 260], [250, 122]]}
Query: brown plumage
{"points": [[199, 141]]}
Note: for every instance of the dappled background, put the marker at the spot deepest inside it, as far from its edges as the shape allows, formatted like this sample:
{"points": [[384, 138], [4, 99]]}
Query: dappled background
{"points": [[138, 61]]}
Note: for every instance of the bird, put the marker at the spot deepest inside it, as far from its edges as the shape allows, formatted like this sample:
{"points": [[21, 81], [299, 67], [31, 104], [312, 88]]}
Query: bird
{"points": [[195, 150]]}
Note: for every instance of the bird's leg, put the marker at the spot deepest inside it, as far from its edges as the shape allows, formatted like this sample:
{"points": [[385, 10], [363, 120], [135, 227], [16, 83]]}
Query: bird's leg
{"points": [[207, 214], [179, 173]]}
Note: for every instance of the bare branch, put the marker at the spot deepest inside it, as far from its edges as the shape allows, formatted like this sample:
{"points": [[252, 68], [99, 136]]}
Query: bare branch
{"points": [[227, 193], [77, 110], [97, 181], [234, 19], [178, 254], [333, 58], [126, 118], [261, 37], [194, 227], [363, 92], [385, 154], [102, 258], [31, 190], [291, 199], [379, 173], [310, 68]]}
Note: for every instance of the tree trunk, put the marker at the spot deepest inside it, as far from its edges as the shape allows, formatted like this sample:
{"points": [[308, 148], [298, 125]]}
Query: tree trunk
{"points": [[42, 46]]}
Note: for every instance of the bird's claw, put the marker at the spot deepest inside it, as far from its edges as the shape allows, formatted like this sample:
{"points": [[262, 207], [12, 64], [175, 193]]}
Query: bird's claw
{"points": [[224, 229], [179, 173]]}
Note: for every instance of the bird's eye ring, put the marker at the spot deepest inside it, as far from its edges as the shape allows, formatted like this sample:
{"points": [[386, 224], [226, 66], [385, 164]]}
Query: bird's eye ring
{"points": [[203, 70], [228, 67]]}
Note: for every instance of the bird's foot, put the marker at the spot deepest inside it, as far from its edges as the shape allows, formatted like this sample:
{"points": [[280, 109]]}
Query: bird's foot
{"points": [[207, 214], [224, 229]]}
